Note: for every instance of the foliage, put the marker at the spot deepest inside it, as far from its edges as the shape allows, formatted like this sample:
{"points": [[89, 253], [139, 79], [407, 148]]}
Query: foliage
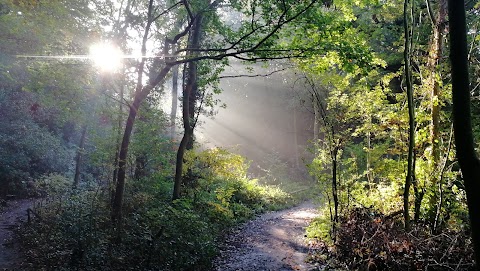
{"points": [[151, 148], [226, 172], [362, 112], [75, 231], [42, 102], [52, 185], [321, 227], [29, 140]]}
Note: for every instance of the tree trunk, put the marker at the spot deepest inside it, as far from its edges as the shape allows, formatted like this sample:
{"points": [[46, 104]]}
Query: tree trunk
{"points": [[435, 53], [191, 104], [370, 176], [335, 184], [122, 158], [188, 108], [179, 167], [411, 117], [117, 145], [140, 165], [316, 119], [78, 162], [439, 220], [173, 112], [334, 191], [187, 134], [467, 157], [418, 192], [295, 138], [141, 93], [139, 97]]}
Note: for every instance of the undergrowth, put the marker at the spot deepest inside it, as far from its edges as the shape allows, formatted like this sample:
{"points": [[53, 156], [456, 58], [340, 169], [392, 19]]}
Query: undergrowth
{"points": [[369, 240], [73, 231]]}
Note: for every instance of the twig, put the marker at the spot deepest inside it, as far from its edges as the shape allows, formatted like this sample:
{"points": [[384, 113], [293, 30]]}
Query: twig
{"points": [[450, 248], [369, 239], [459, 263]]}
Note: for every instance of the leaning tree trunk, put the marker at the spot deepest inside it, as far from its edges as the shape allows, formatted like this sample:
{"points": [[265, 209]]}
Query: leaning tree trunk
{"points": [[467, 157], [139, 97], [122, 157], [141, 93]]}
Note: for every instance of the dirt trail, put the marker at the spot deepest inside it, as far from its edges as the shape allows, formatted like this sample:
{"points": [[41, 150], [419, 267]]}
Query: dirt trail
{"points": [[16, 211], [274, 241]]}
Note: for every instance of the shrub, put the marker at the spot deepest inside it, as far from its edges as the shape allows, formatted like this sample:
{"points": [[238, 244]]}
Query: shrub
{"points": [[75, 232]]}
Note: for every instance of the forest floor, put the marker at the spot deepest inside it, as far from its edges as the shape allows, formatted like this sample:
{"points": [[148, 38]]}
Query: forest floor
{"points": [[273, 241], [10, 218]]}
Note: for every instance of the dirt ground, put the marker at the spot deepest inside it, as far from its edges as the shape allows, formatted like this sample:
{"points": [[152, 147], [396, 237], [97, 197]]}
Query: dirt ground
{"points": [[274, 241], [11, 215]]}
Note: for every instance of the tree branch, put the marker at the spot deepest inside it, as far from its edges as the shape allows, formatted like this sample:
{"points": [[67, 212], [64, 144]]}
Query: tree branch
{"points": [[251, 76], [167, 10]]}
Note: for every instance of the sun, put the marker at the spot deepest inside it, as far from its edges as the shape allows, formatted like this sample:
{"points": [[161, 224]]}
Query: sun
{"points": [[106, 56]]}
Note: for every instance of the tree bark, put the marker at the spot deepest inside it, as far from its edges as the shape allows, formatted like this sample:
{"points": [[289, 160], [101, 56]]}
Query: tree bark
{"points": [[122, 158], [434, 56], [117, 145], [295, 138], [141, 93], [188, 108], [78, 162], [140, 165], [411, 117], [467, 157], [435, 53], [335, 191], [173, 112], [139, 97], [179, 167], [316, 119], [334, 188]]}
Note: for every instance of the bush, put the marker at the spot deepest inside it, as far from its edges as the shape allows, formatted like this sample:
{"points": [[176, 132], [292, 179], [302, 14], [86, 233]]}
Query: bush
{"points": [[75, 232], [31, 146]]}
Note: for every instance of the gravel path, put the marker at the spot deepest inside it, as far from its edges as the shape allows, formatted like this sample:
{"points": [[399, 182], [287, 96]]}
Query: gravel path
{"points": [[10, 217], [274, 241]]}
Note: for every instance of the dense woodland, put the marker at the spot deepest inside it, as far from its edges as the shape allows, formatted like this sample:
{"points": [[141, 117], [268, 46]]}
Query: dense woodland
{"points": [[123, 184]]}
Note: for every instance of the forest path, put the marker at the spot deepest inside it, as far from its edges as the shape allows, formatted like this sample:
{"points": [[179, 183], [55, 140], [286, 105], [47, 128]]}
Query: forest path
{"points": [[10, 217], [274, 241]]}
